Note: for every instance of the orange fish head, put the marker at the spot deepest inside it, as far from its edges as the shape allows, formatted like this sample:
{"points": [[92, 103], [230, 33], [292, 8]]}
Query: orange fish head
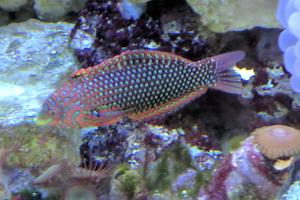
{"points": [[72, 114], [51, 113]]}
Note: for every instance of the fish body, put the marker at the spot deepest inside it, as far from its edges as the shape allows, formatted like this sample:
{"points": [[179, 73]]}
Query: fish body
{"points": [[139, 84]]}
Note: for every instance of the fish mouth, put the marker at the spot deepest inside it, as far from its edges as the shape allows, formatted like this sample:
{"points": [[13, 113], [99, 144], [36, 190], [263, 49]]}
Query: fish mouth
{"points": [[42, 120]]}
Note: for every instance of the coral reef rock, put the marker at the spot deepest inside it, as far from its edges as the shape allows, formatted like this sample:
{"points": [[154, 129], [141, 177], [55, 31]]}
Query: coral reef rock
{"points": [[24, 152], [35, 56], [111, 33], [293, 192], [129, 142], [49, 10], [56, 9], [222, 16], [4, 18], [12, 5], [246, 173]]}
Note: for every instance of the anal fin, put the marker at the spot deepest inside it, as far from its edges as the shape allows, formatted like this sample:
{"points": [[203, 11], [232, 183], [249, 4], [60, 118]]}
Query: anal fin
{"points": [[229, 81]]}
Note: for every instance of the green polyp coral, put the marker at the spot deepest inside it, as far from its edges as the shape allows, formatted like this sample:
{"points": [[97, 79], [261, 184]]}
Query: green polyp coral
{"points": [[128, 183], [171, 163], [159, 178], [201, 179], [225, 15]]}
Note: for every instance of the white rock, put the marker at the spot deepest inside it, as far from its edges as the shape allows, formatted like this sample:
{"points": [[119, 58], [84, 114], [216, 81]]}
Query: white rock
{"points": [[56, 9], [12, 5], [34, 57]]}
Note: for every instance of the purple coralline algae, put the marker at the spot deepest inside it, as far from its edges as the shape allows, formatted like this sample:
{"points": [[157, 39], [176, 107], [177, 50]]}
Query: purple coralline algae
{"points": [[288, 14], [245, 173], [154, 151], [185, 180], [137, 145], [106, 145], [112, 34], [203, 152]]}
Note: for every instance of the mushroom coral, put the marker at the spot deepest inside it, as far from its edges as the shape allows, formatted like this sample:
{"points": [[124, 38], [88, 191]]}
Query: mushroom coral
{"points": [[288, 15], [277, 141]]}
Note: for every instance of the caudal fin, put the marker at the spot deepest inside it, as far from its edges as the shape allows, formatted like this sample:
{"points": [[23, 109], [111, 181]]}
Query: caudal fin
{"points": [[227, 79]]}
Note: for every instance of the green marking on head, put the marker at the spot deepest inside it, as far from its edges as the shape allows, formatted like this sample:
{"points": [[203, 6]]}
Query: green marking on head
{"points": [[42, 120]]}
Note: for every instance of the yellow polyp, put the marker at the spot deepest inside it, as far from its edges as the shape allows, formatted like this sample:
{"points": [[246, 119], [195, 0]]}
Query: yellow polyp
{"points": [[41, 121], [283, 164], [245, 73]]}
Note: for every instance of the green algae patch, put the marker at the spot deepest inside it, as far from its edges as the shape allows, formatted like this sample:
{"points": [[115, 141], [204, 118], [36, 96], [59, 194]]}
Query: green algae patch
{"points": [[41, 120], [32, 147], [171, 163], [239, 193], [130, 182], [127, 183], [233, 143]]}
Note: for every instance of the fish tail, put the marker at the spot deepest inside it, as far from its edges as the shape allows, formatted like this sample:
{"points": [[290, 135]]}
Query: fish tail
{"points": [[227, 79]]}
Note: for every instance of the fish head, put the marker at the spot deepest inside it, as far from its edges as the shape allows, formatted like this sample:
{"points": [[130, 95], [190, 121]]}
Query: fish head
{"points": [[63, 107], [74, 114], [51, 113]]}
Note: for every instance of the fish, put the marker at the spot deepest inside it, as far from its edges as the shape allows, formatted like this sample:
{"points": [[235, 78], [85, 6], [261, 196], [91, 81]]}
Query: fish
{"points": [[139, 85]]}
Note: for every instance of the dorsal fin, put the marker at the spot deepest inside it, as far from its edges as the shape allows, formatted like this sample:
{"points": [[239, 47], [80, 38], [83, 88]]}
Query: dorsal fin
{"points": [[83, 71], [153, 52]]}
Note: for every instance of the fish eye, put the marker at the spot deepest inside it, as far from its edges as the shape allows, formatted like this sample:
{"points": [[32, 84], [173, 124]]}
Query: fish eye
{"points": [[95, 113]]}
